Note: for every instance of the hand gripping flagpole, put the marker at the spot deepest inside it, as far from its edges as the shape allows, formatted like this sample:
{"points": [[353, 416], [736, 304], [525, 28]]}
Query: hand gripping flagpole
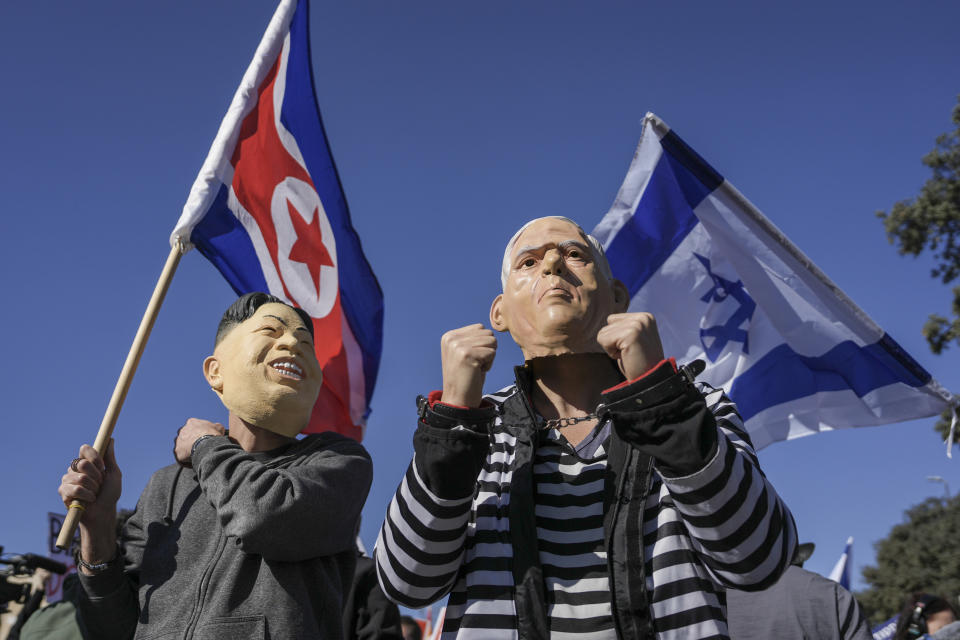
{"points": [[123, 384]]}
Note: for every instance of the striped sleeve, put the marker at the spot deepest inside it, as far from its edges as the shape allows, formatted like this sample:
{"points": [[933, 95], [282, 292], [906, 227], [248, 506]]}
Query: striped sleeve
{"points": [[421, 543], [853, 626], [740, 528]]}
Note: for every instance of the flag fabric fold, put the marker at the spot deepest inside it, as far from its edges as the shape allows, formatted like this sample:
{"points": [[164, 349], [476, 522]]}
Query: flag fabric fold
{"points": [[726, 286], [268, 210]]}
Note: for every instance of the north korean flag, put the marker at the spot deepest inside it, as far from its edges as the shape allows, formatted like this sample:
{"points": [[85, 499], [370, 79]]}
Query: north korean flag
{"points": [[269, 212]]}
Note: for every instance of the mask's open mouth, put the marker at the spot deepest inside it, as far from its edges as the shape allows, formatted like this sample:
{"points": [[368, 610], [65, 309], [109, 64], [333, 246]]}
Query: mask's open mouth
{"points": [[288, 369]]}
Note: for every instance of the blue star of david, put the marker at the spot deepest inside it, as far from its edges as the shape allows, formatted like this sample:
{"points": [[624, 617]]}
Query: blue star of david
{"points": [[720, 335]]}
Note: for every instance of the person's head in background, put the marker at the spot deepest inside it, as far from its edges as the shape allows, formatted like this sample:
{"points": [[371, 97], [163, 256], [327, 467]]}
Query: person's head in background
{"points": [[410, 628], [923, 613]]}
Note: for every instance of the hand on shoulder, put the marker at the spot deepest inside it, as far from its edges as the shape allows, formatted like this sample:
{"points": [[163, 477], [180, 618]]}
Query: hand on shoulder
{"points": [[188, 434]]}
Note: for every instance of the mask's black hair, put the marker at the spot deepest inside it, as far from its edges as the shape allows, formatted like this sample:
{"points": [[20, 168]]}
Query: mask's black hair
{"points": [[247, 305]]}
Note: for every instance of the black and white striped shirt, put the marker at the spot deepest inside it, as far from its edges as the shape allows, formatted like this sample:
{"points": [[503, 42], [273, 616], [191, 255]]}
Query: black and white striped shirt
{"points": [[721, 527], [573, 555]]}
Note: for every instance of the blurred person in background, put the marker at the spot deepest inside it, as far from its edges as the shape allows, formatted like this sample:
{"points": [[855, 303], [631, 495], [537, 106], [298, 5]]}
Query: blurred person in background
{"points": [[801, 605], [411, 630], [926, 615]]}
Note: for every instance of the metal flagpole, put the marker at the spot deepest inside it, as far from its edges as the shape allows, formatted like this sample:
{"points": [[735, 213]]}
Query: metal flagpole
{"points": [[123, 384]]}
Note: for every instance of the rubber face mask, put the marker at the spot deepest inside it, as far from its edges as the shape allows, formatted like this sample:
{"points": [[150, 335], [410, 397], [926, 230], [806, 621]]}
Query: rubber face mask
{"points": [[266, 371], [555, 298]]}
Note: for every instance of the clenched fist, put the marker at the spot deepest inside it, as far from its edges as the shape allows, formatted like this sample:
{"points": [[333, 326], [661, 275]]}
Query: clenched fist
{"points": [[466, 355], [633, 341]]}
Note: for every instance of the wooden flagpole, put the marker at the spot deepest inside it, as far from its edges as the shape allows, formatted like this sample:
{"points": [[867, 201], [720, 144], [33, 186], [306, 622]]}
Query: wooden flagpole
{"points": [[123, 384]]}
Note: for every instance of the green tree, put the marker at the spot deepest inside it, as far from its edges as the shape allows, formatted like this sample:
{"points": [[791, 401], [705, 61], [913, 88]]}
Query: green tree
{"points": [[932, 221], [919, 554]]}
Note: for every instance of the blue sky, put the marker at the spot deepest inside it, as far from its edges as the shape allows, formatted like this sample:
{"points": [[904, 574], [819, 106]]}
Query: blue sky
{"points": [[451, 124]]}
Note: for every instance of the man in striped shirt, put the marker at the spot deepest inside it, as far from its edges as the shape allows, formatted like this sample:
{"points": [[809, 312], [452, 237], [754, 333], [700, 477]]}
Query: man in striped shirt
{"points": [[603, 495]]}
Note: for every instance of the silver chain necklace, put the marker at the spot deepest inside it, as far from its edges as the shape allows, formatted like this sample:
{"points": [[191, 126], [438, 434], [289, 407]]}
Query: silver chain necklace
{"points": [[560, 423]]}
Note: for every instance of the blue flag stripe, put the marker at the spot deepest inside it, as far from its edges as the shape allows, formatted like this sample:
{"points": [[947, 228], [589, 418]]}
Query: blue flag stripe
{"points": [[902, 361], [783, 375], [664, 216], [360, 294], [222, 240], [658, 226], [697, 168]]}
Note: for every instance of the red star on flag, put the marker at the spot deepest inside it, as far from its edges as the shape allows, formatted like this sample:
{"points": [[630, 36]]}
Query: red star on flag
{"points": [[309, 248]]}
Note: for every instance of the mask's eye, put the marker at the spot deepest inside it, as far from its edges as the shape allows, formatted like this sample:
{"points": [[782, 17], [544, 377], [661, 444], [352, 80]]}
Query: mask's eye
{"points": [[577, 254], [528, 262], [268, 329]]}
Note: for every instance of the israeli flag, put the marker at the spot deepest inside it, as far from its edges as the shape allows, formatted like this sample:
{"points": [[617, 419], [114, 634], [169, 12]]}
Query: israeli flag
{"points": [[841, 570], [726, 286]]}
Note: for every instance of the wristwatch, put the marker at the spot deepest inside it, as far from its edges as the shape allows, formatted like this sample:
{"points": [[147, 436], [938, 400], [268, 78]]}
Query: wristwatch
{"points": [[193, 448]]}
